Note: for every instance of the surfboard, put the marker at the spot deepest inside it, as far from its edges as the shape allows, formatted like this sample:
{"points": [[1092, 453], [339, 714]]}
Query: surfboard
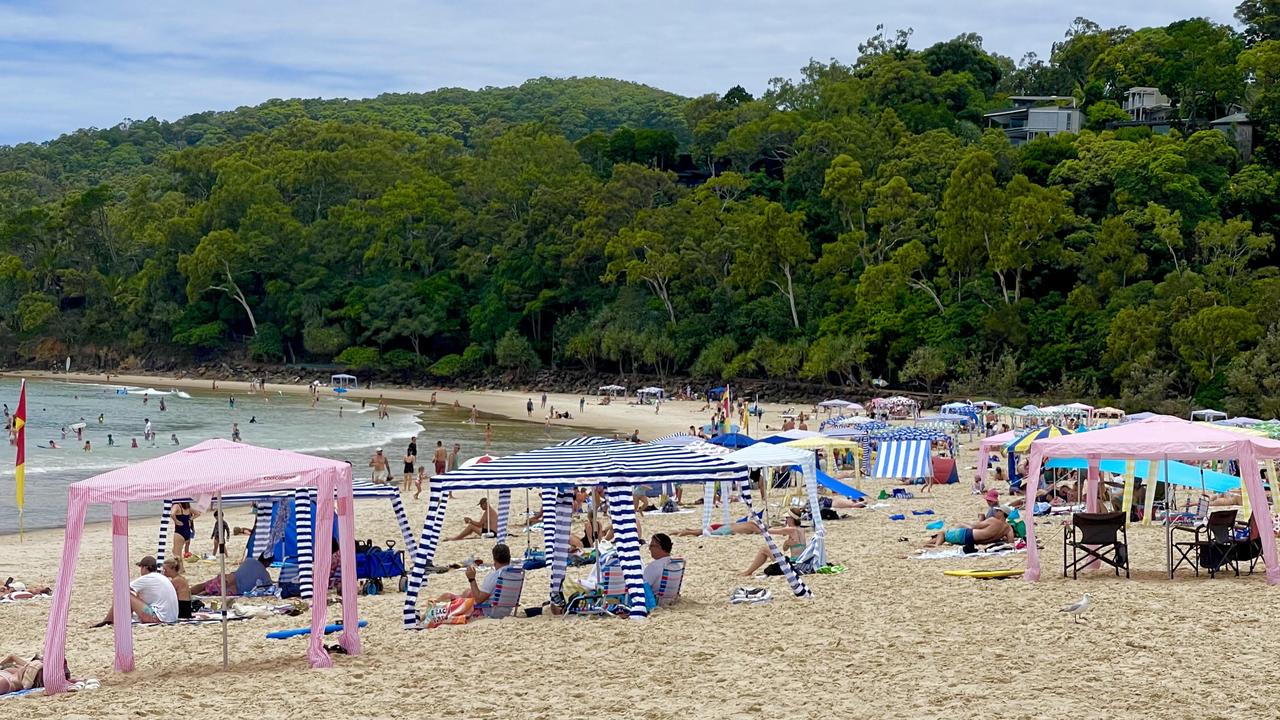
{"points": [[983, 573]]}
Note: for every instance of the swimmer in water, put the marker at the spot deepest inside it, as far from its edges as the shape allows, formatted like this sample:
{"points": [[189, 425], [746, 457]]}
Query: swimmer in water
{"points": [[110, 441], [87, 446], [133, 443], [52, 446]]}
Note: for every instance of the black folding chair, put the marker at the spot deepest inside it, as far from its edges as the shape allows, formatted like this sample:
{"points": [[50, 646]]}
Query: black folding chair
{"points": [[1093, 537], [1212, 545]]}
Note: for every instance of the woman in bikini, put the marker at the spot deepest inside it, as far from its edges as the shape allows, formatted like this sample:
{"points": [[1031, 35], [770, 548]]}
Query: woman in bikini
{"points": [[20, 674], [793, 543]]}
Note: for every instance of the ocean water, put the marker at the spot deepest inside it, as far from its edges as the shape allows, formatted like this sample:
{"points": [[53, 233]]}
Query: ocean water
{"points": [[336, 428]]}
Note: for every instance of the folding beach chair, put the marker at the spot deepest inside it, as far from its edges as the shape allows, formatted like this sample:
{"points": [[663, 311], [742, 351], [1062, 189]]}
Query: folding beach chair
{"points": [[1211, 546], [1095, 536], [506, 593], [613, 584], [668, 590]]}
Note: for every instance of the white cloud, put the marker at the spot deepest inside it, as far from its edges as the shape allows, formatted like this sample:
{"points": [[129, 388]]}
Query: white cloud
{"points": [[72, 64]]}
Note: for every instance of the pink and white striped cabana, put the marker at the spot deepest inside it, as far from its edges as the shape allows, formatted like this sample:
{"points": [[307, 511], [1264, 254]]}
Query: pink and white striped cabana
{"points": [[991, 444], [202, 471], [1160, 437]]}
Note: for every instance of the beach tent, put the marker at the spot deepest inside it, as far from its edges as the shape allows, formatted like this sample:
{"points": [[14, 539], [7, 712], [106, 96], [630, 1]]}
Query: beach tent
{"points": [[284, 523], [342, 382], [1239, 422], [835, 404], [986, 404], [1079, 406], [1108, 413], [855, 431], [1158, 439], [715, 393], [992, 444], [944, 470], [880, 437], [650, 393], [733, 440], [617, 467], [1139, 417], [787, 436], [840, 487], [202, 471], [676, 440], [1208, 415], [612, 390], [766, 455], [903, 460]]}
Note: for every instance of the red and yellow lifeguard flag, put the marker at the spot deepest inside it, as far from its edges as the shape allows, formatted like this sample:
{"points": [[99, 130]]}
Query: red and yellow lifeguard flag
{"points": [[20, 427]]}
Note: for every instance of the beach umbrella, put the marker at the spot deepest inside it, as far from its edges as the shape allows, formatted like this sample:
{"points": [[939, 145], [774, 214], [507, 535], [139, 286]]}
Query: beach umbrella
{"points": [[835, 403], [676, 440], [1023, 444], [479, 460]]}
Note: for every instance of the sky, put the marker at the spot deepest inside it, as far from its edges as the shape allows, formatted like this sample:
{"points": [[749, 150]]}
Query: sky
{"points": [[72, 64]]}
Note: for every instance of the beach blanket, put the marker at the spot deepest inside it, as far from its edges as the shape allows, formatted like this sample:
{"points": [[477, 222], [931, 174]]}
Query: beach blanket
{"points": [[20, 597], [958, 552], [77, 686]]}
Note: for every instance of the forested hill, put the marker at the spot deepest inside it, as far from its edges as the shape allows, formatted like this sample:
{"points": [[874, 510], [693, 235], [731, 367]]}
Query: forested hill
{"points": [[860, 221], [574, 106]]}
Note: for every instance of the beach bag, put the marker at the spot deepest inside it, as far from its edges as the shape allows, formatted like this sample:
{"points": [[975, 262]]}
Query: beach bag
{"points": [[451, 612]]}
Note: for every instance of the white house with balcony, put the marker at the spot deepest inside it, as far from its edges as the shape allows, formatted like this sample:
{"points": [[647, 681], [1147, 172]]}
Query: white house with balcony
{"points": [[1147, 104]]}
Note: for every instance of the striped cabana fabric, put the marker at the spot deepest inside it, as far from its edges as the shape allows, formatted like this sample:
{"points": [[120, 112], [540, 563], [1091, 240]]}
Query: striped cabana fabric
{"points": [[591, 461], [906, 459], [903, 433], [266, 500]]}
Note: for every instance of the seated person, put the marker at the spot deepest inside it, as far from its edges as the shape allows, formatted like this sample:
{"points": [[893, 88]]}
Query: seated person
{"points": [[840, 502], [592, 531], [173, 571], [487, 523], [793, 543], [480, 592], [993, 529], [251, 573], [660, 550], [151, 597]]}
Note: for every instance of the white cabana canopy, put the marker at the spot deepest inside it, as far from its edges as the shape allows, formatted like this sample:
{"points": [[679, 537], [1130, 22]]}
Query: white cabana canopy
{"points": [[342, 380]]}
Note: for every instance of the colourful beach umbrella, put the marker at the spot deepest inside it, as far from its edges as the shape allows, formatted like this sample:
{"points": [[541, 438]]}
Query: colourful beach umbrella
{"points": [[1023, 444]]}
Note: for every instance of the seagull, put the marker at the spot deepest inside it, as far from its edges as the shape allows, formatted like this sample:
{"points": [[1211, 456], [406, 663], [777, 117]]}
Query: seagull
{"points": [[1079, 607]]}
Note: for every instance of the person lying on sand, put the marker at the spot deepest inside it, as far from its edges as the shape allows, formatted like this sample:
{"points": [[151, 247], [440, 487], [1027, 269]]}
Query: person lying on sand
{"points": [[745, 527], [251, 573], [793, 543], [17, 673], [22, 591], [487, 523], [988, 531], [840, 502]]}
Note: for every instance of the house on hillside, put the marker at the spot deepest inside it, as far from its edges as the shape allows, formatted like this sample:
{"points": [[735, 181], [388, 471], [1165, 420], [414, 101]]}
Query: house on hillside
{"points": [[1238, 130], [1147, 105], [1035, 116]]}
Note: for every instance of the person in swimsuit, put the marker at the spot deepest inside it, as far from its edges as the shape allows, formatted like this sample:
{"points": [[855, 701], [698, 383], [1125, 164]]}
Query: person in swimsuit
{"points": [[988, 531], [184, 528], [488, 522], [173, 570], [441, 457], [20, 674], [793, 543], [410, 457], [220, 544], [378, 462]]}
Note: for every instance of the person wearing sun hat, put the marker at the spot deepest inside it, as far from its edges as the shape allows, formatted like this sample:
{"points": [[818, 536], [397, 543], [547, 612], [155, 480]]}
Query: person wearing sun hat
{"points": [[992, 496]]}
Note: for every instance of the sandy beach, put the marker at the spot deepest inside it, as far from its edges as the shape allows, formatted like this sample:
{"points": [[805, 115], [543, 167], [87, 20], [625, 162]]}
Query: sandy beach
{"points": [[890, 637]]}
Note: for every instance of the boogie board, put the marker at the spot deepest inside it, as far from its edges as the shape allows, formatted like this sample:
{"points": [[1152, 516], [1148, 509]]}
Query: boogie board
{"points": [[983, 573]]}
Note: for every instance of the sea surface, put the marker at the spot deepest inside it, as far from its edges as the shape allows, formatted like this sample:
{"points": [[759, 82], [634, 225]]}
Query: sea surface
{"points": [[336, 428]]}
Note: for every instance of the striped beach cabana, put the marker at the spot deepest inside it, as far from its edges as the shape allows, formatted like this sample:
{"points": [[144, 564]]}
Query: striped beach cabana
{"points": [[615, 466], [876, 440], [1022, 444], [267, 503], [903, 460]]}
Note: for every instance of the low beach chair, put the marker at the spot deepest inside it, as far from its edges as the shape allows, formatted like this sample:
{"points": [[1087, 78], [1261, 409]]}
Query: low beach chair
{"points": [[506, 594], [613, 584], [668, 590], [1099, 536]]}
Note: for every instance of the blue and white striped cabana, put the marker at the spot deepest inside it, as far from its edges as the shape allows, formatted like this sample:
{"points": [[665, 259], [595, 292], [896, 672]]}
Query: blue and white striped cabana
{"points": [[615, 466], [903, 459], [903, 433], [304, 503]]}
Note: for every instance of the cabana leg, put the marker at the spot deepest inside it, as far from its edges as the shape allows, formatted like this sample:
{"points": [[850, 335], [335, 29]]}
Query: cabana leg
{"points": [[563, 523], [55, 637], [120, 609], [797, 585], [165, 513], [622, 512], [425, 553], [306, 541], [504, 515]]}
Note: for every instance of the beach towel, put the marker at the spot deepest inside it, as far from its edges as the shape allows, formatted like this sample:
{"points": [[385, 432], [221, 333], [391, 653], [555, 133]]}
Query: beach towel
{"points": [[958, 552]]}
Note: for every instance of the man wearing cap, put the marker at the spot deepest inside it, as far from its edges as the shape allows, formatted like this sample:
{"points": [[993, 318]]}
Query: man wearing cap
{"points": [[152, 597], [379, 464]]}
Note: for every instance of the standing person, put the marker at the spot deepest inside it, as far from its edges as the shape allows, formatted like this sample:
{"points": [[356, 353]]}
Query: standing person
{"points": [[475, 414], [235, 432], [111, 442], [544, 401], [453, 457], [231, 402], [162, 408], [582, 405], [433, 398], [147, 429], [528, 407], [441, 458], [184, 528], [379, 464], [220, 527], [546, 427], [488, 435], [410, 457]]}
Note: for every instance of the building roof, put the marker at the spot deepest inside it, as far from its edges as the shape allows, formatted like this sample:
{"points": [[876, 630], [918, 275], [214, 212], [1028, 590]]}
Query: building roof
{"points": [[1239, 118]]}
